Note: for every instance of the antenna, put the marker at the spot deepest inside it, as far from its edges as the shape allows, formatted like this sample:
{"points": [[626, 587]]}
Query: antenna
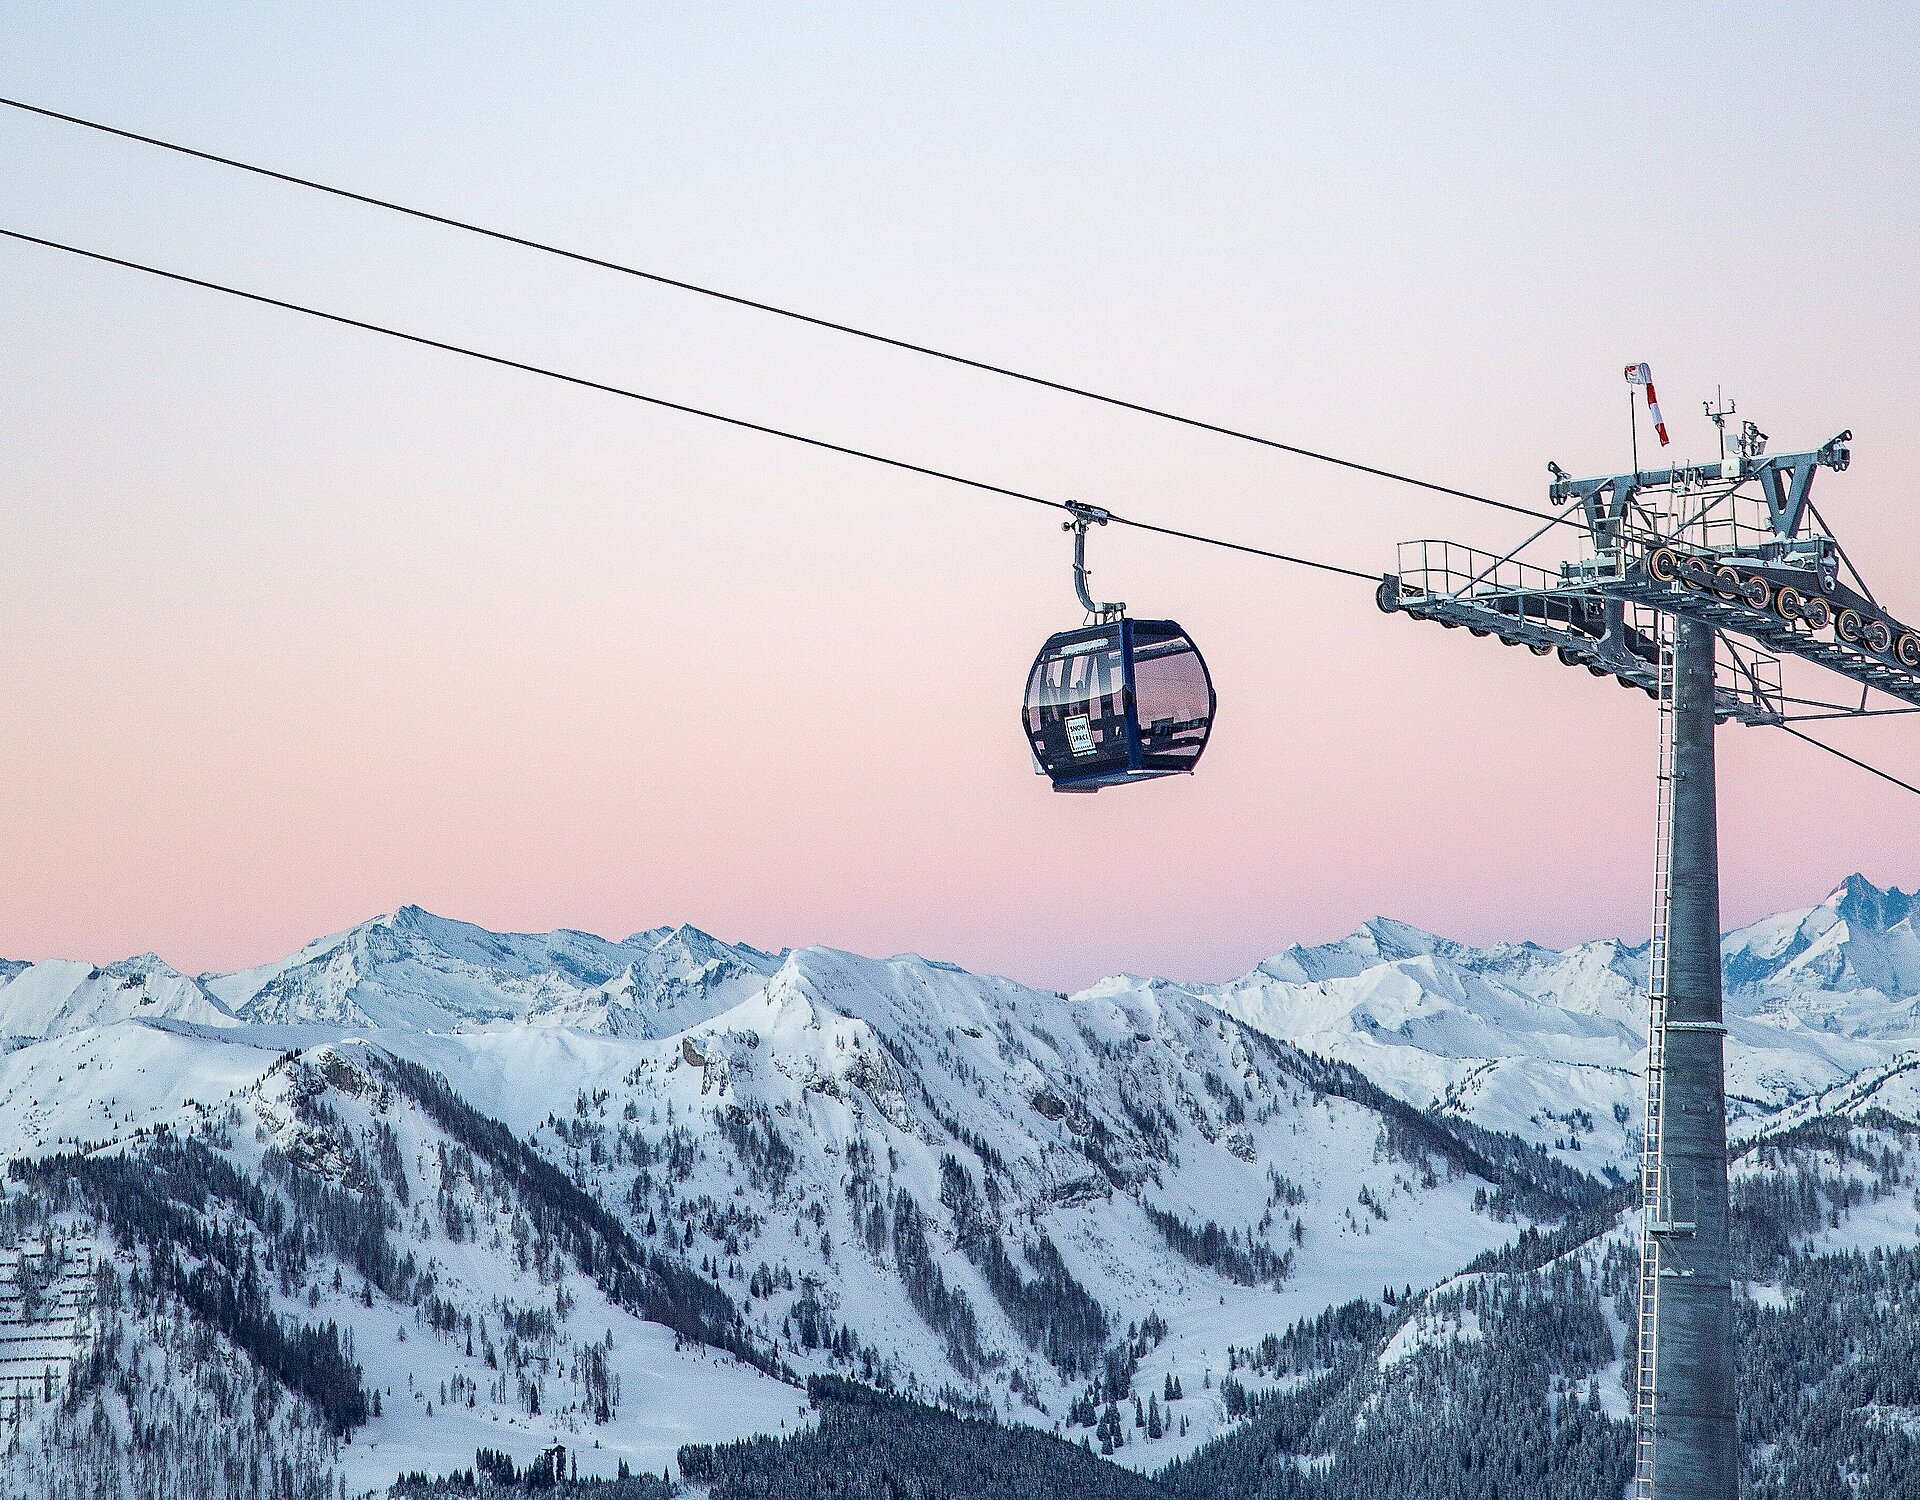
{"points": [[1718, 410]]}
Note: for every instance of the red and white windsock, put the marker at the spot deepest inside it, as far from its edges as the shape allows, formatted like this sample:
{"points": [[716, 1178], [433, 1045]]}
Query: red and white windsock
{"points": [[1640, 375]]}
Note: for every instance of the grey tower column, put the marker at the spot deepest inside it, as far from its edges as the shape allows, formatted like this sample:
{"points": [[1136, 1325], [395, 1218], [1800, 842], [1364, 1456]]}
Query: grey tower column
{"points": [[1696, 1454]]}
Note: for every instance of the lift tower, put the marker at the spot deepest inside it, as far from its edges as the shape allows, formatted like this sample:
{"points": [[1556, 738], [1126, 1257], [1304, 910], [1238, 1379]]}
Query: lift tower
{"points": [[1694, 584]]}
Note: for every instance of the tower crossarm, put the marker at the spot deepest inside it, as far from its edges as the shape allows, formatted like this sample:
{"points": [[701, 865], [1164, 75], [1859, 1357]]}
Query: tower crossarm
{"points": [[1735, 545], [1574, 614], [1785, 479]]}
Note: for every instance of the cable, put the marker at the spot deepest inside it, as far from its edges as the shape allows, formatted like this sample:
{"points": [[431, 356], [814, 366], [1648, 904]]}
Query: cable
{"points": [[1249, 550], [768, 431], [582, 258], [1851, 760], [662, 401]]}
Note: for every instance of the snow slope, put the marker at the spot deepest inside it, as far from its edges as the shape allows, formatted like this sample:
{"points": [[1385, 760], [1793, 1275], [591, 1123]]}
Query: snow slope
{"points": [[667, 1391], [413, 969]]}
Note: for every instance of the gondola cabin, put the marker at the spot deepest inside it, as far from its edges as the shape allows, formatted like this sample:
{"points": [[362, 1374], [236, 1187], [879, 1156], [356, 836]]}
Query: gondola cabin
{"points": [[1125, 700]]}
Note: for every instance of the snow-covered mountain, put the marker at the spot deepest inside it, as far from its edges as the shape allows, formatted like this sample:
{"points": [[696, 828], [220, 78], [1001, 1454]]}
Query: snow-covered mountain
{"points": [[959, 1185], [1548, 1043], [415, 970], [1542, 1042], [1850, 965], [60, 996], [681, 977], [987, 1194]]}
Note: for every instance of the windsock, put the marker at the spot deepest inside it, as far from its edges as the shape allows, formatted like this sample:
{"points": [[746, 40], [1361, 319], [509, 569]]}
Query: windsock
{"points": [[1640, 375]]}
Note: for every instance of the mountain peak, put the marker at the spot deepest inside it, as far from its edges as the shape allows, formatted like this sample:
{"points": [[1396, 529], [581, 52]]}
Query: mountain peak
{"points": [[410, 918], [1858, 901], [687, 935], [1397, 939]]}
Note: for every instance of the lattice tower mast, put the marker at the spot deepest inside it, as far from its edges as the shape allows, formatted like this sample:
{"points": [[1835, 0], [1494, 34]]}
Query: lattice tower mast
{"points": [[1693, 583]]}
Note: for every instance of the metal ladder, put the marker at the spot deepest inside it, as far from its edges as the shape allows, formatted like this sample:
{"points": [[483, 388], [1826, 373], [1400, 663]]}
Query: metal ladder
{"points": [[1652, 1173]]}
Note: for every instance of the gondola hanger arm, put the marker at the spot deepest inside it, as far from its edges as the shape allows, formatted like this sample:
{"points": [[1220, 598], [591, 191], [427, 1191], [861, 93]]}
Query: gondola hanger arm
{"points": [[1083, 517]]}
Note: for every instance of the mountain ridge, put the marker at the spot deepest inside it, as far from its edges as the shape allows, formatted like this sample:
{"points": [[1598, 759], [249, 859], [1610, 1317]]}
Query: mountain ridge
{"points": [[989, 1196], [1513, 1036]]}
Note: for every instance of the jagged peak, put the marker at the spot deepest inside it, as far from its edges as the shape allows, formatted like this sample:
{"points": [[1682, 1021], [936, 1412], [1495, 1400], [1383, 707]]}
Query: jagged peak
{"points": [[412, 918], [435, 927], [1399, 939], [1375, 940], [1859, 902], [143, 963], [686, 935]]}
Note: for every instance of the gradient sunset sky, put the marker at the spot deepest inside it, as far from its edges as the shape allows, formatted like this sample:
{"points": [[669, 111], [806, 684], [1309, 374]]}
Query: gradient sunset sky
{"points": [[298, 625]]}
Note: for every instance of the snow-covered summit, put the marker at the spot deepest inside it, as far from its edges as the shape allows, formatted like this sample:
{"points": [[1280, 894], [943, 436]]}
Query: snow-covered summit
{"points": [[1381, 940], [682, 976], [60, 995], [412, 969], [1851, 964]]}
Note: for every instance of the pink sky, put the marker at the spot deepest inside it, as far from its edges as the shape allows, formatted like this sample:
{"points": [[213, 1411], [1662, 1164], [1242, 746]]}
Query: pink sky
{"points": [[297, 626]]}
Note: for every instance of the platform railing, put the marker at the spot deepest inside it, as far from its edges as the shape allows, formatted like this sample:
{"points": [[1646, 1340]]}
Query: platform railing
{"points": [[1437, 569]]}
